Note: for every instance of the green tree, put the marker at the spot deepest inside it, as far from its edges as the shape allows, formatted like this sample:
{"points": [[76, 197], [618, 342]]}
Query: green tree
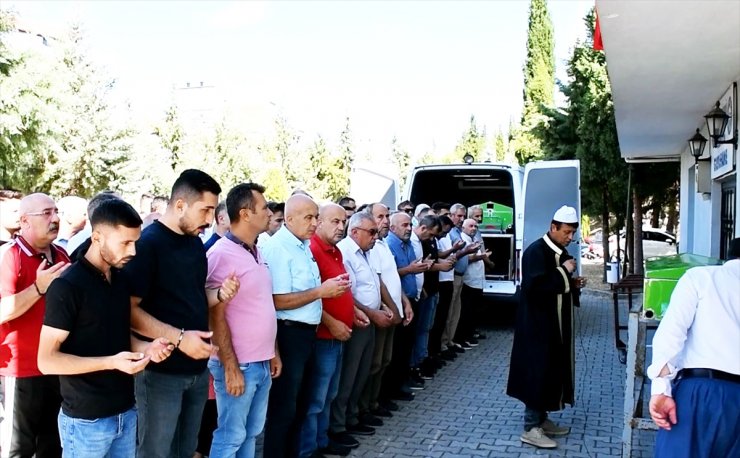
{"points": [[171, 136], [94, 144], [539, 81], [343, 163], [30, 112], [402, 160], [472, 141], [499, 147]]}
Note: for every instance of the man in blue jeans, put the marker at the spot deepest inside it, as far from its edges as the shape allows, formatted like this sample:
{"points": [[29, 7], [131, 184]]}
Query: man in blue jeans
{"points": [[244, 328], [167, 280], [86, 338], [336, 328]]}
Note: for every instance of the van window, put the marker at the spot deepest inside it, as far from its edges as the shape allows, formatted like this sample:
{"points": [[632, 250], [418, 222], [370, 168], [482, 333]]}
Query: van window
{"points": [[466, 186]]}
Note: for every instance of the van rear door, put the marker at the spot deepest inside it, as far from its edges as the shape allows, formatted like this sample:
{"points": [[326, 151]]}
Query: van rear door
{"points": [[548, 185]]}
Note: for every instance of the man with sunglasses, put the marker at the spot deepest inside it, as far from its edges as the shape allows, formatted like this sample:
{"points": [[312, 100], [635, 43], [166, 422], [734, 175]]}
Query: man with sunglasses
{"points": [[362, 232], [28, 265], [406, 207], [349, 205]]}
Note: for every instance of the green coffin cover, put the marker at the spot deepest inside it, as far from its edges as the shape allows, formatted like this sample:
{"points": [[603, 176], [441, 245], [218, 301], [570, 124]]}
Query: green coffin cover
{"points": [[662, 274], [496, 217]]}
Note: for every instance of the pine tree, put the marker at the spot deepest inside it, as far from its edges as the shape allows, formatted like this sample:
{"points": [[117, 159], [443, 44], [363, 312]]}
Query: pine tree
{"points": [[539, 81], [402, 159]]}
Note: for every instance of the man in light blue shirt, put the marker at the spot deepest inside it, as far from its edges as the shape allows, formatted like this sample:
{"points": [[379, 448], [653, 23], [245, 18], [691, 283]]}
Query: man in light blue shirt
{"points": [[297, 293]]}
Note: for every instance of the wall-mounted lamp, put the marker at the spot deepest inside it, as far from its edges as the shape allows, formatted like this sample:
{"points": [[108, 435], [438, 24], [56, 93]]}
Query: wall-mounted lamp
{"points": [[696, 146], [468, 158], [716, 124]]}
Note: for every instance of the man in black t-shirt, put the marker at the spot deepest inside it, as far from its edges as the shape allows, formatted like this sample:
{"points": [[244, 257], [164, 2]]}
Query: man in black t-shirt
{"points": [[86, 339], [169, 298]]}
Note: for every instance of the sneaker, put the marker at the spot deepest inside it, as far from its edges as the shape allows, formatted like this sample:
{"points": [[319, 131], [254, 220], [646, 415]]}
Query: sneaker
{"points": [[343, 439], [465, 346], [361, 430], [370, 420], [335, 449], [480, 336], [473, 342], [413, 385], [537, 437], [552, 429]]}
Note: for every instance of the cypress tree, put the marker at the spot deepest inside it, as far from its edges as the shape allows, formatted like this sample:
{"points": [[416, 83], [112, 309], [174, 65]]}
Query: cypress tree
{"points": [[539, 80]]}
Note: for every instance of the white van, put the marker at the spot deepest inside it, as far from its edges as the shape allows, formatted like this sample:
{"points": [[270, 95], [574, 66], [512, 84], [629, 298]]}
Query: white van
{"points": [[534, 192]]}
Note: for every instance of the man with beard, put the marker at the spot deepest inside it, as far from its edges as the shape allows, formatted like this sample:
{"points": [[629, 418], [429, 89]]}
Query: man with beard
{"points": [[169, 299], [86, 339], [542, 365], [297, 291], [28, 265]]}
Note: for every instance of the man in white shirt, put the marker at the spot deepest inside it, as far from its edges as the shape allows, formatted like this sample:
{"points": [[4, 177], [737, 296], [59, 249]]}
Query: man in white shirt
{"points": [[472, 289], [362, 232], [696, 365], [381, 259]]}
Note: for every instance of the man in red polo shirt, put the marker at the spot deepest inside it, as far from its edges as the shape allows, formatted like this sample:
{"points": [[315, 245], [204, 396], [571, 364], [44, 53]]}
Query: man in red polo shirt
{"points": [[337, 318], [28, 265]]}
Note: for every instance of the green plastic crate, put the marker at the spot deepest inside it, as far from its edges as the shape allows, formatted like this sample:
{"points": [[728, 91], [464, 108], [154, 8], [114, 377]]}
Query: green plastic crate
{"points": [[496, 217], [662, 274]]}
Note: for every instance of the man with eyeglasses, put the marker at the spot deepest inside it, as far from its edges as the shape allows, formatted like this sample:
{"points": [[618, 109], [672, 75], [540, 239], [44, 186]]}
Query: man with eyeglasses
{"points": [[406, 207], [28, 265], [362, 232], [349, 205]]}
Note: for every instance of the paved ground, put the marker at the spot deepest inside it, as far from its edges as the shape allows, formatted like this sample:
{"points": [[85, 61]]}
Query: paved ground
{"points": [[464, 412]]}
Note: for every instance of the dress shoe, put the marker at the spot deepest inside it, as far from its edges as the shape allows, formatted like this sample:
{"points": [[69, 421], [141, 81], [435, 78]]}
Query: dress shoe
{"points": [[381, 411], [390, 405], [537, 437], [403, 396], [361, 430], [370, 420], [344, 439], [335, 449], [552, 429]]}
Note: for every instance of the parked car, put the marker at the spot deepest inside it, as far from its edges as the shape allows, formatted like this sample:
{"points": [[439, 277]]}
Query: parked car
{"points": [[655, 242]]}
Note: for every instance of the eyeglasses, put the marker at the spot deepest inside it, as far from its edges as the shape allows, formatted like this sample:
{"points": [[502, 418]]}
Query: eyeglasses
{"points": [[410, 211], [348, 208], [372, 232], [47, 213]]}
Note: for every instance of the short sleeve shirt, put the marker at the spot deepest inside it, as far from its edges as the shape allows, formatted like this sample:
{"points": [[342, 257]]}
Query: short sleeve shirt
{"points": [[365, 279], [382, 260], [475, 274], [19, 338], [293, 270], [97, 315], [418, 254], [462, 262], [168, 273], [403, 254], [331, 264], [250, 314], [444, 244]]}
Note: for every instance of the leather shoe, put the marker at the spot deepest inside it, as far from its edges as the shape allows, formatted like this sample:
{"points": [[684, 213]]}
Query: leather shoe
{"points": [[335, 449], [344, 439], [361, 430], [381, 412], [390, 405], [370, 420]]}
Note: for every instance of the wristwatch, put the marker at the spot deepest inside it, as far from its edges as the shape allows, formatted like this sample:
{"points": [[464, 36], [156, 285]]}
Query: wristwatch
{"points": [[661, 385]]}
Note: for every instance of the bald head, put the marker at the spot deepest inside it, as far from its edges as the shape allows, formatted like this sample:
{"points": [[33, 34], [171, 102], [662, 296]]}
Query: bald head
{"points": [[470, 227], [301, 216], [401, 225], [332, 221]]}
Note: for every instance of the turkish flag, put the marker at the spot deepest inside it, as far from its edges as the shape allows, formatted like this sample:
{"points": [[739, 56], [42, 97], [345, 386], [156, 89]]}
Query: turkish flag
{"points": [[598, 44]]}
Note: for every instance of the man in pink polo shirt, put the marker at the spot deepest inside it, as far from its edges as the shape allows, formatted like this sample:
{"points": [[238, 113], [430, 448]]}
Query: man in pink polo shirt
{"points": [[244, 329]]}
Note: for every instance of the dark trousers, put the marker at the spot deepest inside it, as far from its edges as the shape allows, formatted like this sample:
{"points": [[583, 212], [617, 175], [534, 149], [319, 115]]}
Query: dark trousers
{"points": [[296, 345], [470, 297], [440, 318], [31, 408], [356, 362], [397, 372], [533, 418], [208, 425]]}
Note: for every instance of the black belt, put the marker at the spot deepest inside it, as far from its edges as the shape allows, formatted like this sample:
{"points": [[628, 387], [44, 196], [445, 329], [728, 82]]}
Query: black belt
{"points": [[708, 373], [299, 325]]}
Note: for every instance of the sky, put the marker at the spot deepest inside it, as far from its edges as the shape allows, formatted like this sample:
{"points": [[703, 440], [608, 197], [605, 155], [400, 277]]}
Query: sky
{"points": [[415, 70]]}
